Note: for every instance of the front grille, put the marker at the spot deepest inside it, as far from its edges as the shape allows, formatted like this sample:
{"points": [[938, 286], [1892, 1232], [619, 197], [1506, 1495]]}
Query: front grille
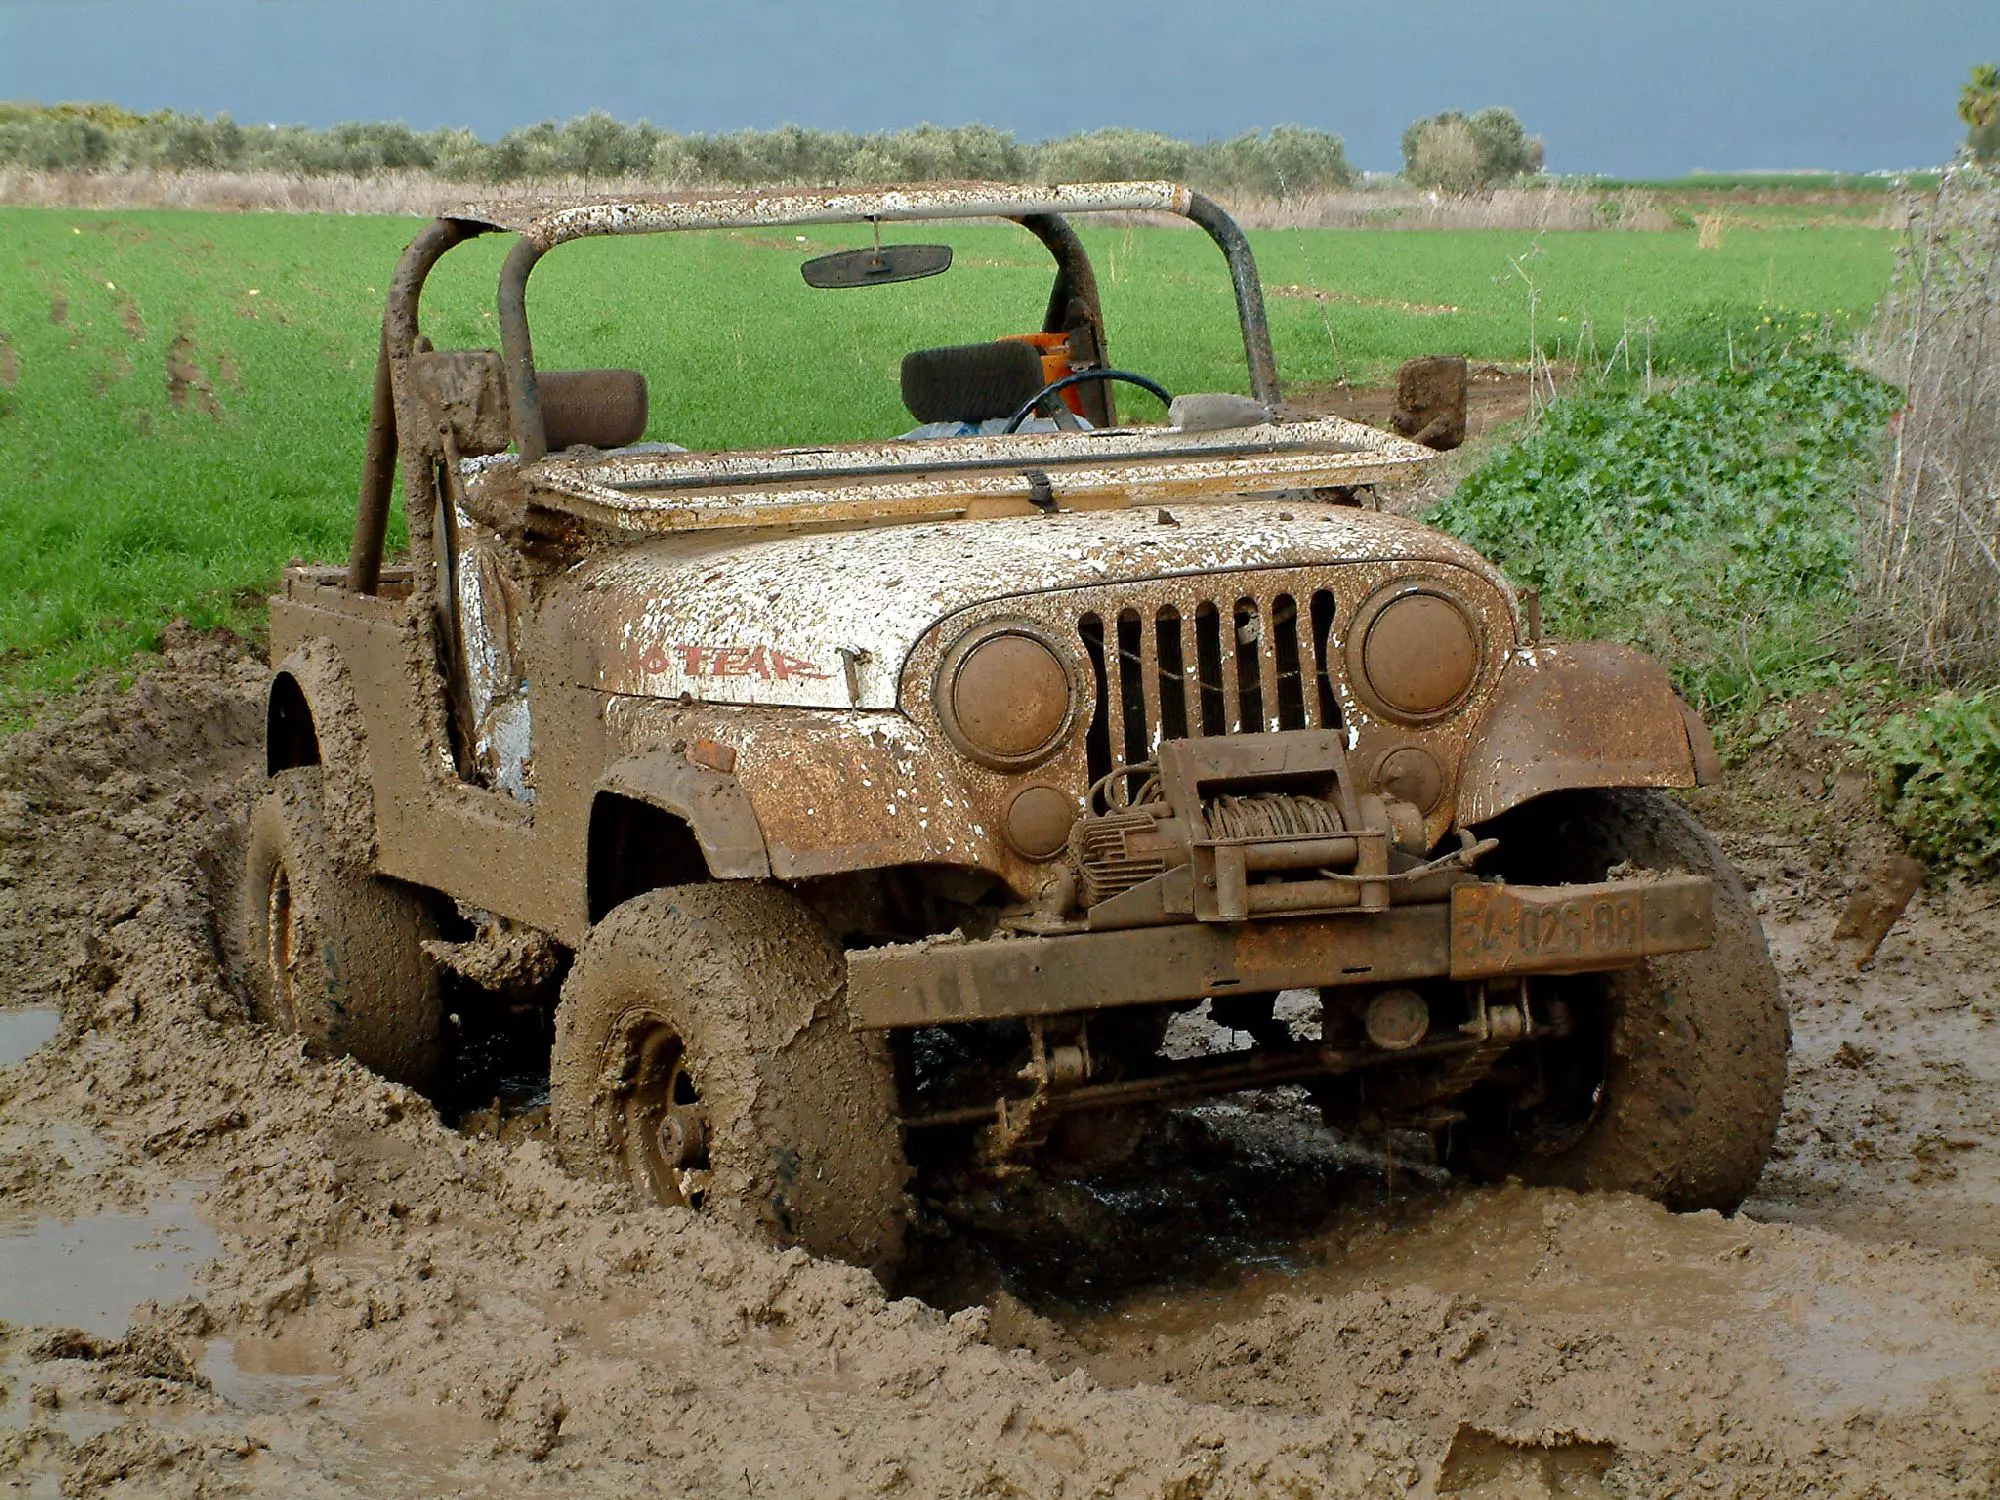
{"points": [[1250, 664]]}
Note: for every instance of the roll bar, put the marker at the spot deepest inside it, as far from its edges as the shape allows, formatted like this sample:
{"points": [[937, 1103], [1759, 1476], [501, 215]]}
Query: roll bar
{"points": [[1040, 210]]}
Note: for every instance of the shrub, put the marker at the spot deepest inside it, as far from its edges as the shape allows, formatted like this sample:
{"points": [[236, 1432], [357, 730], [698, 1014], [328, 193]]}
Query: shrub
{"points": [[1931, 540], [1456, 153], [1979, 107], [1711, 523], [1284, 162], [1287, 162], [1938, 773]]}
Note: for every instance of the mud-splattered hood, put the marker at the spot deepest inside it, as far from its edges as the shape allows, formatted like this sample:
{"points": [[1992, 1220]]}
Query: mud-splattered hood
{"points": [[827, 620]]}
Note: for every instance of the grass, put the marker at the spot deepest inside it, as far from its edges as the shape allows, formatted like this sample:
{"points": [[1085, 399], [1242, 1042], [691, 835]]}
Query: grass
{"points": [[1874, 183], [126, 505]]}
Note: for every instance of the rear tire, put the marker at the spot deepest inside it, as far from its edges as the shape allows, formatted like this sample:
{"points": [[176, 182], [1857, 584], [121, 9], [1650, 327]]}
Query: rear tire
{"points": [[703, 1057], [332, 952], [1671, 1083]]}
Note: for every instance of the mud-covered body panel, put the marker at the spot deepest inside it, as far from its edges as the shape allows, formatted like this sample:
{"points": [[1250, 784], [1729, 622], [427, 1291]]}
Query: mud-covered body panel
{"points": [[1577, 714], [685, 615]]}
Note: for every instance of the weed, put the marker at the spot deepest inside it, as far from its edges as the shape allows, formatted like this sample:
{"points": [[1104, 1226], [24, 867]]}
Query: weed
{"points": [[1938, 773], [1711, 523]]}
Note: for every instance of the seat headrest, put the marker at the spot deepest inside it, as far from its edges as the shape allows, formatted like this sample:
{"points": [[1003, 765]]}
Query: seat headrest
{"points": [[970, 382], [598, 408]]}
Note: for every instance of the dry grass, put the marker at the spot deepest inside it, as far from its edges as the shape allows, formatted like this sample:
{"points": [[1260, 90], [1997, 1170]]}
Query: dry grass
{"points": [[1533, 210], [1931, 542]]}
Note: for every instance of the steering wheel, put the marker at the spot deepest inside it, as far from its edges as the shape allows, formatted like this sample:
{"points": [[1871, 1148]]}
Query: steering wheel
{"points": [[1077, 377]]}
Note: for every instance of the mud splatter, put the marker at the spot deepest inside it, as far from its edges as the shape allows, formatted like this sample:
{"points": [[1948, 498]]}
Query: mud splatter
{"points": [[58, 309], [10, 363], [114, 367], [131, 318], [187, 385]]}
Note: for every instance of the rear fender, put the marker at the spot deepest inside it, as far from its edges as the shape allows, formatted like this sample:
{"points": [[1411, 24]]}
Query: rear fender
{"points": [[312, 678], [1582, 714]]}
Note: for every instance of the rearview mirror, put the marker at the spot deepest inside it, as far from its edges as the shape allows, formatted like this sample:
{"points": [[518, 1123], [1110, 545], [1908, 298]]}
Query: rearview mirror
{"points": [[876, 267]]}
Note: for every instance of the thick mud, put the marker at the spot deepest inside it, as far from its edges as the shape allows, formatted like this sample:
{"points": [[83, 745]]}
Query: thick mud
{"points": [[227, 1269]]}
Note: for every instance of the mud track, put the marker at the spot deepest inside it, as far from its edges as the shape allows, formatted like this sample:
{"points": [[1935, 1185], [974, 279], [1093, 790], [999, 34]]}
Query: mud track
{"points": [[232, 1270]]}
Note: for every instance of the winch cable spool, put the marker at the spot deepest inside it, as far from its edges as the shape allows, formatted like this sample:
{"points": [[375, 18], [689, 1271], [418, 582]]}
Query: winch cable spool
{"points": [[1127, 844], [1272, 815]]}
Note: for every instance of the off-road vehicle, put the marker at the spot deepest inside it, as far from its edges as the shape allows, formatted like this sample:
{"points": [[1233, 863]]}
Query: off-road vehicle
{"points": [[885, 801]]}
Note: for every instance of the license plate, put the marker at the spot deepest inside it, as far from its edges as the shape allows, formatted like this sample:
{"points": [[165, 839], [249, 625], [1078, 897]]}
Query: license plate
{"points": [[1501, 929]]}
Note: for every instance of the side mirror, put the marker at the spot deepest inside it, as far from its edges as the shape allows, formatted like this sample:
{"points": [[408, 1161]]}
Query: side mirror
{"points": [[876, 267]]}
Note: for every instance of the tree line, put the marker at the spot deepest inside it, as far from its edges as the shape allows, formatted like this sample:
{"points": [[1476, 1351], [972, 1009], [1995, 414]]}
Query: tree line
{"points": [[1274, 163], [1451, 152]]}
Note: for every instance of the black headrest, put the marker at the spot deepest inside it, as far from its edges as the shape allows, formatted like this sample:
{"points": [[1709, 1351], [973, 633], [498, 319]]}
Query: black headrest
{"points": [[970, 382], [598, 408]]}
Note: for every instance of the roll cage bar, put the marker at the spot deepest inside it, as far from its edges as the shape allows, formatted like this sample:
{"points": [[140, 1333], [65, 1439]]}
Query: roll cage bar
{"points": [[1039, 210]]}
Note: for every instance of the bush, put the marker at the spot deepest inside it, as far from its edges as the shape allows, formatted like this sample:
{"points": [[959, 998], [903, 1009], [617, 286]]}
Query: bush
{"points": [[1454, 153], [1979, 107], [1931, 542], [1938, 773], [1711, 523]]}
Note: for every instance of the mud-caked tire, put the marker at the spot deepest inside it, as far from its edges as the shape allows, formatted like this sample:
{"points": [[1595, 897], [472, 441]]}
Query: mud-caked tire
{"points": [[331, 951], [703, 1057], [1671, 1083]]}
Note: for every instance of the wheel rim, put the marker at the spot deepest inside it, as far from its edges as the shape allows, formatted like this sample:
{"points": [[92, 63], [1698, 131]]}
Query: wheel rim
{"points": [[659, 1121], [281, 947]]}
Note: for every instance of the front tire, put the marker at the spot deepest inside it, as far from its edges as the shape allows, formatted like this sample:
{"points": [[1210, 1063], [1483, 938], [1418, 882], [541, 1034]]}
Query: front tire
{"points": [[703, 1057], [332, 952], [1671, 1082]]}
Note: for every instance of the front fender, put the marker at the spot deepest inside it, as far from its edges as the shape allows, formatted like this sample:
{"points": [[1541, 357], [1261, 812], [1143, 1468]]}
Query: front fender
{"points": [[1581, 714], [710, 802]]}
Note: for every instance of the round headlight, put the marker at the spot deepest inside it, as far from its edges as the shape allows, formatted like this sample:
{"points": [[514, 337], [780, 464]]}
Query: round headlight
{"points": [[1004, 697], [1414, 652]]}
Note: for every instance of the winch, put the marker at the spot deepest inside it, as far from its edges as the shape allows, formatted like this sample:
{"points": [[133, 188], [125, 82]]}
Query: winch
{"points": [[1233, 827]]}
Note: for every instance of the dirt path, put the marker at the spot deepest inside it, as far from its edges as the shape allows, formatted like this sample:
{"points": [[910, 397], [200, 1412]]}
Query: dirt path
{"points": [[288, 1278]]}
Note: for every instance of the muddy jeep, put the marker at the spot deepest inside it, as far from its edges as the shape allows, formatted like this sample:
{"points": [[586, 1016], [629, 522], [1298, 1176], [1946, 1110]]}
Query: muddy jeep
{"points": [[879, 802]]}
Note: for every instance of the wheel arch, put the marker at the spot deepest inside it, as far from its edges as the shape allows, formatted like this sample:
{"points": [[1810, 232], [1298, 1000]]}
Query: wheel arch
{"points": [[1575, 715], [310, 719], [659, 819]]}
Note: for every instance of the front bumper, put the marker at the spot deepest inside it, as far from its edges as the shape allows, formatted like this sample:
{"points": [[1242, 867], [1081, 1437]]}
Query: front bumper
{"points": [[1485, 931]]}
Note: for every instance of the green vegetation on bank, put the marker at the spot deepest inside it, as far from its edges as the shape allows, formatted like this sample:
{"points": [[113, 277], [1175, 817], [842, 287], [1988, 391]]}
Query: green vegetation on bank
{"points": [[1937, 769], [1711, 522]]}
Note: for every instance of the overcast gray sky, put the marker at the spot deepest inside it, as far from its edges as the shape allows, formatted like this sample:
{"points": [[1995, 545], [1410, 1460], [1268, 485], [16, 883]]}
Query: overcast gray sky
{"points": [[1630, 89]]}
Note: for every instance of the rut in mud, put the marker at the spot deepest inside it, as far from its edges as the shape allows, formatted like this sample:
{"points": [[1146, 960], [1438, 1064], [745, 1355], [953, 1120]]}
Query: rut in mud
{"points": [[247, 1272]]}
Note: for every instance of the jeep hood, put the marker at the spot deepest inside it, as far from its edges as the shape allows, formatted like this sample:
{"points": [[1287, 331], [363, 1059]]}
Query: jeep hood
{"points": [[827, 620]]}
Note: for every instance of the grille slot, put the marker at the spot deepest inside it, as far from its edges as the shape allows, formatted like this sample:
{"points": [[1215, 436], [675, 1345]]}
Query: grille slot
{"points": [[1248, 665]]}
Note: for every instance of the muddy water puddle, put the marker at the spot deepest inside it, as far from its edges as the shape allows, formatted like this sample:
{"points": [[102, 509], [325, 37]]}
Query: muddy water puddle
{"points": [[24, 1032], [269, 1374], [90, 1272]]}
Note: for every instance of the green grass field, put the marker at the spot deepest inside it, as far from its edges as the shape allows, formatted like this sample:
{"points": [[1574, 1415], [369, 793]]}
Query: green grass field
{"points": [[182, 396]]}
